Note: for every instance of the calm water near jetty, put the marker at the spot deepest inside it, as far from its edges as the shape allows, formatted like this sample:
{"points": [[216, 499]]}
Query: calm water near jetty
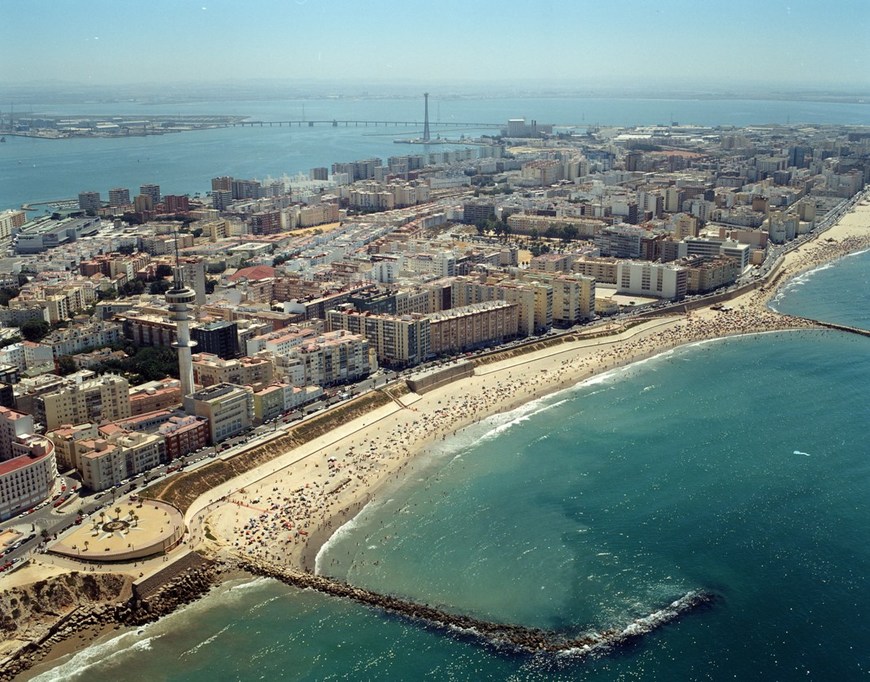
{"points": [[738, 466]]}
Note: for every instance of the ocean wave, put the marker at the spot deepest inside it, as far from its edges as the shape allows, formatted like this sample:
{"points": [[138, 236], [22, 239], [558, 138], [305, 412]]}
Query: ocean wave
{"points": [[857, 253], [799, 281], [340, 533], [502, 422], [101, 654], [249, 584], [458, 444], [205, 642]]}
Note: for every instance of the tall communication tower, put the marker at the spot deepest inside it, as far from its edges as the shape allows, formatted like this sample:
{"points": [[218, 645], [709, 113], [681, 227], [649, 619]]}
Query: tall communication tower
{"points": [[426, 117], [180, 298]]}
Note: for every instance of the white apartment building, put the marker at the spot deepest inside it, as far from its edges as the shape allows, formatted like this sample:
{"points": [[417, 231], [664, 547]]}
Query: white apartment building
{"points": [[27, 478], [105, 462], [659, 280], [228, 408], [13, 426], [104, 398]]}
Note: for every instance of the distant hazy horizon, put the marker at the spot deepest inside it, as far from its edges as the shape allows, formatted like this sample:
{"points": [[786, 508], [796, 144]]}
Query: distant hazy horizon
{"points": [[672, 46], [26, 95]]}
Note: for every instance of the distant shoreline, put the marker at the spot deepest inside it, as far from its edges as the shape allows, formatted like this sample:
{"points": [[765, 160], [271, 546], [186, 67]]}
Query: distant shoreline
{"points": [[229, 93]]}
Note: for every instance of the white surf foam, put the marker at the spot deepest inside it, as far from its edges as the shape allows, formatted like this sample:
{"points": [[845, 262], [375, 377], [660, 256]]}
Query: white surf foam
{"points": [[249, 584], [341, 532], [798, 281], [205, 642], [109, 651]]}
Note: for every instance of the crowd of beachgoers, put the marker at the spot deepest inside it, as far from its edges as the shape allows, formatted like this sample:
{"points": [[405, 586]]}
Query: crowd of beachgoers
{"points": [[283, 515], [276, 518]]}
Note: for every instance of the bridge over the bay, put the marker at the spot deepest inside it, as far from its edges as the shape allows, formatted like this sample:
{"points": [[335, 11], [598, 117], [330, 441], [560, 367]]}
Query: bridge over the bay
{"points": [[356, 123]]}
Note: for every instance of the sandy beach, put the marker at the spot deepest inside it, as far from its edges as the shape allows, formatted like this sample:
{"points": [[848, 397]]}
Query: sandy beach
{"points": [[284, 512]]}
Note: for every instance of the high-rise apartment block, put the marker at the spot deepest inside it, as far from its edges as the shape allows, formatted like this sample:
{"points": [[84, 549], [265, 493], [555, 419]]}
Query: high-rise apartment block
{"points": [[9, 221], [222, 184], [90, 202], [152, 191], [119, 196], [104, 398], [399, 341]]}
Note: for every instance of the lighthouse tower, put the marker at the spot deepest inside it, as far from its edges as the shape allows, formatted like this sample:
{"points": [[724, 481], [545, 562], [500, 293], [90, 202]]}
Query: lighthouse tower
{"points": [[180, 298]]}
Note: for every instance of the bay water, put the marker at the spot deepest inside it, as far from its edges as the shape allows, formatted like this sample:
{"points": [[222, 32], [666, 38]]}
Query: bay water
{"points": [[36, 170], [739, 466]]}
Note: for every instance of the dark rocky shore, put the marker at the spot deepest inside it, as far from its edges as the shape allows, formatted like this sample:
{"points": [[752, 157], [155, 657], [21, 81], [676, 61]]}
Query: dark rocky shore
{"points": [[104, 609], [99, 612]]}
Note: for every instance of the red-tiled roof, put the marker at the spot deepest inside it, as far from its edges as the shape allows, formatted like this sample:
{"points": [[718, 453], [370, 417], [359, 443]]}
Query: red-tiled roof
{"points": [[255, 272], [20, 462]]}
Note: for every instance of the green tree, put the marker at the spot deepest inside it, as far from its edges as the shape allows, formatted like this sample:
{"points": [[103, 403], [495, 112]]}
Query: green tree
{"points": [[7, 294], [66, 365], [155, 363], [163, 270], [570, 233], [210, 285], [132, 288], [161, 286], [34, 330]]}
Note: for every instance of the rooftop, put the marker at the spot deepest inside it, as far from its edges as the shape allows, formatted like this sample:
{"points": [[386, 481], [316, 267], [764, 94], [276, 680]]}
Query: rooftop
{"points": [[23, 461], [256, 272], [216, 391]]}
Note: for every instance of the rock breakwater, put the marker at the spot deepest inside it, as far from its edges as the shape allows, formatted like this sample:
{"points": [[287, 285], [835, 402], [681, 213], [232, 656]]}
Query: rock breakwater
{"points": [[75, 603], [500, 636]]}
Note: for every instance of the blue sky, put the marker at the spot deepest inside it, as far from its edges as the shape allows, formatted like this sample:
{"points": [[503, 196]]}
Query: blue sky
{"points": [[668, 44]]}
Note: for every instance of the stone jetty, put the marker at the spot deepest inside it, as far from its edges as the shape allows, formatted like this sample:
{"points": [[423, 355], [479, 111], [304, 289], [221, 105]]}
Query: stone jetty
{"points": [[500, 636]]}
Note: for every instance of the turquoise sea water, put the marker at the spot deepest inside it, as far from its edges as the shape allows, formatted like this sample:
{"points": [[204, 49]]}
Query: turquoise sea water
{"points": [[836, 292], [34, 170], [739, 466]]}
